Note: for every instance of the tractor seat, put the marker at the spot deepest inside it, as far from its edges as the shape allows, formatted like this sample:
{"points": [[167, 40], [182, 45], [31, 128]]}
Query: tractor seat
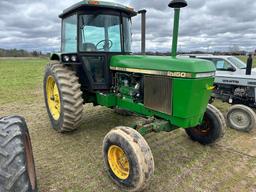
{"points": [[90, 47]]}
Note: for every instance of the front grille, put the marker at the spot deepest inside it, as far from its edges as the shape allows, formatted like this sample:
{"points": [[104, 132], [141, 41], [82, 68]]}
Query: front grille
{"points": [[157, 93]]}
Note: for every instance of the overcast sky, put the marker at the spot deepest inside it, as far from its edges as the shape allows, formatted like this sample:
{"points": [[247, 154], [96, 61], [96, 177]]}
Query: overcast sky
{"points": [[205, 24]]}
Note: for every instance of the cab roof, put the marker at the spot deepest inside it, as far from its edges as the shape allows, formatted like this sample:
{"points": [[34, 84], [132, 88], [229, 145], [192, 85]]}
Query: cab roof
{"points": [[82, 5]]}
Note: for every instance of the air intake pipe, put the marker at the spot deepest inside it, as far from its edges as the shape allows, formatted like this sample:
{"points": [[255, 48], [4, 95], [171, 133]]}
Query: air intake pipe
{"points": [[249, 65], [176, 5], [143, 30]]}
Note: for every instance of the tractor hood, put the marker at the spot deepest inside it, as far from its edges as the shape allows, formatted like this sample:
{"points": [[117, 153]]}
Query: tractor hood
{"points": [[163, 65]]}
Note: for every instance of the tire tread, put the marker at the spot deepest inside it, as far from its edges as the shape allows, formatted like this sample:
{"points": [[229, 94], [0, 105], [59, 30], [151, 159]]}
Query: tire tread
{"points": [[12, 151], [143, 153], [71, 96], [219, 127]]}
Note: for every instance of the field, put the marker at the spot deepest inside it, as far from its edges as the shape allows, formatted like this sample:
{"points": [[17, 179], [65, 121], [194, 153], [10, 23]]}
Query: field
{"points": [[73, 162], [243, 58]]}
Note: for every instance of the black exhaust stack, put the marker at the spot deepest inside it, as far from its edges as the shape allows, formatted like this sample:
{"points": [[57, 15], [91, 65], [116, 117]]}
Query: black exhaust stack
{"points": [[249, 65], [143, 31], [176, 5]]}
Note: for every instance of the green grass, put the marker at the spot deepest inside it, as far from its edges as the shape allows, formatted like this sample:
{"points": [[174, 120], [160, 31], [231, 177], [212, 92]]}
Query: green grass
{"points": [[20, 79], [244, 58], [73, 162]]}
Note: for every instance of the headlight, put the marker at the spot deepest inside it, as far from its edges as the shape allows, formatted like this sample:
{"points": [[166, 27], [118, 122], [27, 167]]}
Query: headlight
{"points": [[202, 75], [73, 58], [66, 58]]}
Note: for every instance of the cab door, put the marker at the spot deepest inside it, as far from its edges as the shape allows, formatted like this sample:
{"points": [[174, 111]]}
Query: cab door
{"points": [[96, 69], [99, 38]]}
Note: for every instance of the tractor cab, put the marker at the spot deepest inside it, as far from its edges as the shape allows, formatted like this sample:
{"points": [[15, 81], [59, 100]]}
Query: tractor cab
{"points": [[93, 31]]}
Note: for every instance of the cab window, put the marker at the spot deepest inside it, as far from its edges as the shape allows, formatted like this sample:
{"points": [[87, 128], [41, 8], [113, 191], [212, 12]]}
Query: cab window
{"points": [[100, 33], [69, 34], [222, 65]]}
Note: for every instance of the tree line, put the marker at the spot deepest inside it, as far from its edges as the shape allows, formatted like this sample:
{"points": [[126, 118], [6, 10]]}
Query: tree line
{"points": [[24, 53], [20, 53]]}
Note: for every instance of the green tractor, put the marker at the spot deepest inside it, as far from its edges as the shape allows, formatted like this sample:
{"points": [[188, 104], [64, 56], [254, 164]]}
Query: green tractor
{"points": [[96, 66]]}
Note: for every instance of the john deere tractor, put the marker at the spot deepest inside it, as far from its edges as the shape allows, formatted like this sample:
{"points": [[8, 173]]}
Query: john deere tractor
{"points": [[96, 66]]}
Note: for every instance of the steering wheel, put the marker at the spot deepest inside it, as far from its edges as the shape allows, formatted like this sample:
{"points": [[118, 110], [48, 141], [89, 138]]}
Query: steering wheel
{"points": [[106, 44]]}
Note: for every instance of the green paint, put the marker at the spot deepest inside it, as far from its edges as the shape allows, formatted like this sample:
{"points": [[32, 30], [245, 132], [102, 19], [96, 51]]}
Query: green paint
{"points": [[188, 110], [190, 97], [175, 32], [139, 108], [153, 125], [127, 91], [161, 63], [108, 100]]}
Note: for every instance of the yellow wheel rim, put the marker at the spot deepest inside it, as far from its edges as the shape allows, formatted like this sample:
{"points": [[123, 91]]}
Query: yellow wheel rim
{"points": [[118, 162], [53, 97]]}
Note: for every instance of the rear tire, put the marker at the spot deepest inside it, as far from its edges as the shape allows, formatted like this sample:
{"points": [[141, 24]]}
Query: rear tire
{"points": [[212, 128], [63, 97], [128, 159], [241, 118], [17, 170]]}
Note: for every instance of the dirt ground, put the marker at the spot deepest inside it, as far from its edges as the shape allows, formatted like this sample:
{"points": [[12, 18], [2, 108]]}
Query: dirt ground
{"points": [[73, 162]]}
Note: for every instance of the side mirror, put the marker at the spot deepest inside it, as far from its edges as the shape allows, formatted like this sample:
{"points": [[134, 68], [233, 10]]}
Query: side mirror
{"points": [[231, 69]]}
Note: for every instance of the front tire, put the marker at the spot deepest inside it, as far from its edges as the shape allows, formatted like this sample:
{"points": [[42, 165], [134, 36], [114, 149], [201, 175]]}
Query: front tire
{"points": [[211, 129], [17, 168], [241, 118], [128, 159], [63, 97]]}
